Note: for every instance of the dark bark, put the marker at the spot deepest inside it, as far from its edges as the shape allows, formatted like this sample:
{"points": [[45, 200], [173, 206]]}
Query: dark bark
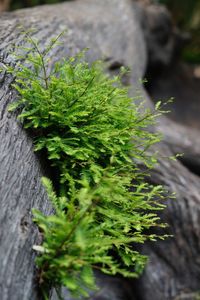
{"points": [[111, 30]]}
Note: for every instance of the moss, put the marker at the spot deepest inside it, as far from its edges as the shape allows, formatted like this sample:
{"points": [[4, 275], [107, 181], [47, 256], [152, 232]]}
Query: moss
{"points": [[95, 136]]}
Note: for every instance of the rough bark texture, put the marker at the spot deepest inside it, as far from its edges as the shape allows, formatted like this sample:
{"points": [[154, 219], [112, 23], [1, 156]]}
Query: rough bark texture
{"points": [[111, 29]]}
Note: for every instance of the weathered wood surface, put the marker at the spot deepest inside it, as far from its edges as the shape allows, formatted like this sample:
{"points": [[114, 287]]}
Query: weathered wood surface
{"points": [[110, 28]]}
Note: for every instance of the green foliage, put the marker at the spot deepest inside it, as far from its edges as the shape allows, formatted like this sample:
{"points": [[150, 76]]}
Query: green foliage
{"points": [[187, 16], [95, 136], [183, 11]]}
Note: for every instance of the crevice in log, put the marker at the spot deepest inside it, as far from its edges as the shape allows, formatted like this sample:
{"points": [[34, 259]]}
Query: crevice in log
{"points": [[190, 164], [49, 171]]}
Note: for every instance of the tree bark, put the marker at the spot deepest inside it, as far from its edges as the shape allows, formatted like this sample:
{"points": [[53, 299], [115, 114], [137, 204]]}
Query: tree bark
{"points": [[4, 5], [111, 29]]}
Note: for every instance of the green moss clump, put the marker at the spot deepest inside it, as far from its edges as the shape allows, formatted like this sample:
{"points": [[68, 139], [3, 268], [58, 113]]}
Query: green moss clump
{"points": [[95, 136]]}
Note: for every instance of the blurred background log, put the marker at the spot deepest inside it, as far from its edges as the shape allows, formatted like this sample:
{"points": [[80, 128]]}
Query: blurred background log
{"points": [[4, 5], [123, 33]]}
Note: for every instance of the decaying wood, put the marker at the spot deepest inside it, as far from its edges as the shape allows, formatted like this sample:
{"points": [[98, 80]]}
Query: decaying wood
{"points": [[110, 28], [4, 5]]}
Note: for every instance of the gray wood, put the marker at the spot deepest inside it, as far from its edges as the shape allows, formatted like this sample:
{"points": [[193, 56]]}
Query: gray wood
{"points": [[111, 29], [89, 24]]}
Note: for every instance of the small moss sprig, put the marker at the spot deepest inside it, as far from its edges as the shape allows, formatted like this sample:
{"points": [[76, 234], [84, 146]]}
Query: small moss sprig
{"points": [[95, 136]]}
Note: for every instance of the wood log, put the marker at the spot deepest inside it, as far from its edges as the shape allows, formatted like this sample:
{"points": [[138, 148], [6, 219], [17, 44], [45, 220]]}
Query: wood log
{"points": [[111, 29], [89, 24], [4, 5]]}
